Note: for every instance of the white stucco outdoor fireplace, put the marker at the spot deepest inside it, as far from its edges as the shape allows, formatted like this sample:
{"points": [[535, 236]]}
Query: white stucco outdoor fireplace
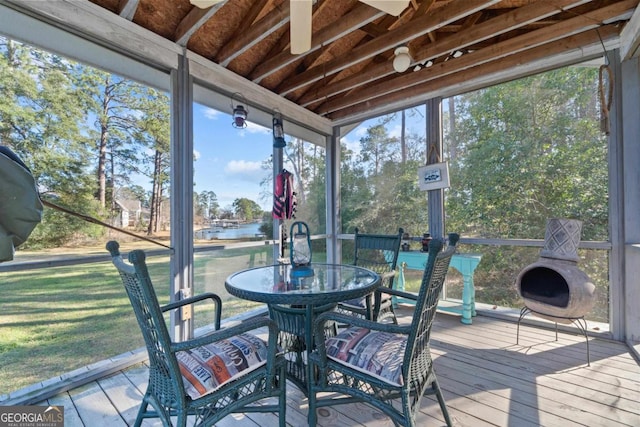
{"points": [[554, 288]]}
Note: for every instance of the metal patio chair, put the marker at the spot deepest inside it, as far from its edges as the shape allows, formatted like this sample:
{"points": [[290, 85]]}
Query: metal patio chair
{"points": [[385, 365], [207, 377], [377, 252]]}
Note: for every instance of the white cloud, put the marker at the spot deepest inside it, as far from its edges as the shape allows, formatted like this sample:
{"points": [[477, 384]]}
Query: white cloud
{"points": [[254, 128], [395, 131], [353, 145], [241, 169], [360, 131], [210, 113], [352, 139], [241, 166]]}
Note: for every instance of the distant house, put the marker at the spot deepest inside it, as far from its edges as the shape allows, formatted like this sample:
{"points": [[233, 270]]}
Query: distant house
{"points": [[129, 213]]}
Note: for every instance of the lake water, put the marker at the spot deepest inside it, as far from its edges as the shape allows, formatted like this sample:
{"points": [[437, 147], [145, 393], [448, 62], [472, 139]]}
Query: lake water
{"points": [[243, 231]]}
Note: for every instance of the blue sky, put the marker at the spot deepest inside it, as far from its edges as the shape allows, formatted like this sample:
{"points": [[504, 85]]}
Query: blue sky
{"points": [[228, 160]]}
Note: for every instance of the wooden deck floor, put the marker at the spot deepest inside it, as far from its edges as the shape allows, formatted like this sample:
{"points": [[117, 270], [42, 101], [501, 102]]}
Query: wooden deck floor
{"points": [[487, 380]]}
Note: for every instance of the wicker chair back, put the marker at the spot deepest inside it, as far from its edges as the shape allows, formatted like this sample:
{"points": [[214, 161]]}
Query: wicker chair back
{"points": [[166, 392], [379, 253], [381, 363]]}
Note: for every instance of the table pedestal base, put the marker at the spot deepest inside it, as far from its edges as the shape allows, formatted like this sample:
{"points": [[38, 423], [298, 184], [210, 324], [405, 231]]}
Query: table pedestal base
{"points": [[295, 324]]}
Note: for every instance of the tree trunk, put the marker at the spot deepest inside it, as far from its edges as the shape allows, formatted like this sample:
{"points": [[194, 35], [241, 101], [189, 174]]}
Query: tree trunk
{"points": [[453, 143], [102, 147], [155, 195]]}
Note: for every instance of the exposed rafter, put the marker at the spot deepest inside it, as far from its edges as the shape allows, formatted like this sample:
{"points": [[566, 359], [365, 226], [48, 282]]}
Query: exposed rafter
{"points": [[418, 27], [494, 52], [348, 69], [484, 75], [357, 18], [192, 22]]}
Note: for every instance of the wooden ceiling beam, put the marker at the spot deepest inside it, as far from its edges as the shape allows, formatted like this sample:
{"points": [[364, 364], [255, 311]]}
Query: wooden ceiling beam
{"points": [[283, 44], [249, 19], [471, 20], [451, 12], [191, 23], [388, 23], [495, 51], [451, 84], [508, 21], [498, 25], [357, 18], [269, 24]]}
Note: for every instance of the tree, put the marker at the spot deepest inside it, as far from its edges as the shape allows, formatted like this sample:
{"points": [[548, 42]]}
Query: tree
{"points": [[529, 150], [153, 131], [376, 148], [112, 100], [379, 191], [246, 209], [42, 122], [226, 212], [206, 204], [136, 192]]}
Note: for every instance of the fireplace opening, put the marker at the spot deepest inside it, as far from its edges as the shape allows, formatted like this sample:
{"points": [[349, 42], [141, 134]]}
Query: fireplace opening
{"points": [[546, 286]]}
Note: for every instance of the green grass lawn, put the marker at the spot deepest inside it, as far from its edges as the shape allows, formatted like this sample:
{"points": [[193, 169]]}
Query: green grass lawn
{"points": [[55, 320]]}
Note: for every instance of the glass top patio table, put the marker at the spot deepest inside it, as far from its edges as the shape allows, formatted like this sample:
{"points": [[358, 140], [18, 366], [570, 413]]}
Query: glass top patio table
{"points": [[295, 299], [280, 284]]}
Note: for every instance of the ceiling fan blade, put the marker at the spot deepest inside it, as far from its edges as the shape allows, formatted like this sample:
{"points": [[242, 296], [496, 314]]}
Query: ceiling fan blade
{"points": [[300, 29], [204, 4], [392, 7]]}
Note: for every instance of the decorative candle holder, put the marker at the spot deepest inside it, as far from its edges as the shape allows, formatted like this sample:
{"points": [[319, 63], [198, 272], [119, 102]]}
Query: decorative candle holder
{"points": [[300, 250]]}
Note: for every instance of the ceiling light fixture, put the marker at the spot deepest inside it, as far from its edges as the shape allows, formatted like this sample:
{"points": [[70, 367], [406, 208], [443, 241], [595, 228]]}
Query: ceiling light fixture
{"points": [[402, 59], [240, 113], [204, 4]]}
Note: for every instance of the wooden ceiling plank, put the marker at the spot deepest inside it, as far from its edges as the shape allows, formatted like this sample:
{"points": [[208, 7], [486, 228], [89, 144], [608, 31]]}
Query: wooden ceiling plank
{"points": [[127, 8], [499, 25], [374, 30], [490, 28], [252, 14], [270, 23], [471, 20], [370, 62], [462, 81], [508, 47], [371, 74], [358, 17], [451, 12], [191, 23], [424, 7]]}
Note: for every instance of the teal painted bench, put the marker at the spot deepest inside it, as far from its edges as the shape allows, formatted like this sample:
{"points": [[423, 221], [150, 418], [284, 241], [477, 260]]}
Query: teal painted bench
{"points": [[464, 263]]}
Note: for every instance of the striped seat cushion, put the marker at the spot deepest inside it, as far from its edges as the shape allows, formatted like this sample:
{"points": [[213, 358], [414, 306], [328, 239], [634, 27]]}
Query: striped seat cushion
{"points": [[376, 353], [205, 369]]}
